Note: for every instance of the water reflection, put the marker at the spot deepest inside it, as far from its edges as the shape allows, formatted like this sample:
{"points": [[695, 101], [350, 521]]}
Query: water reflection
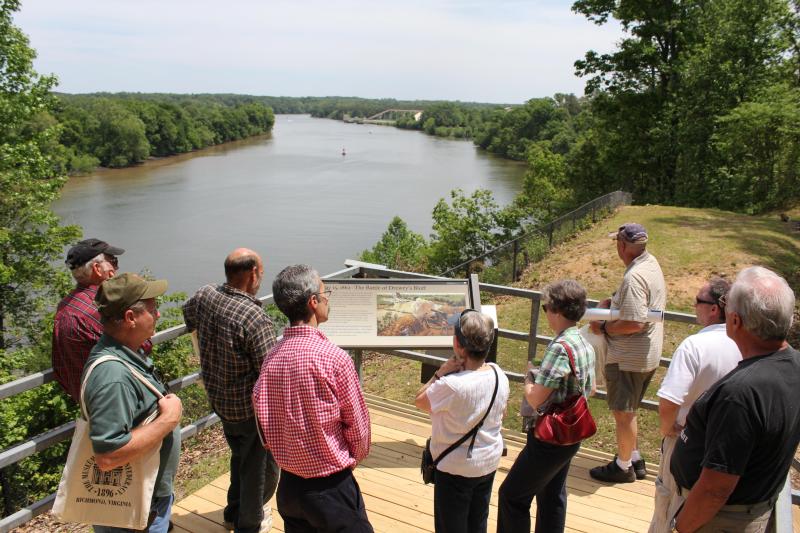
{"points": [[291, 195]]}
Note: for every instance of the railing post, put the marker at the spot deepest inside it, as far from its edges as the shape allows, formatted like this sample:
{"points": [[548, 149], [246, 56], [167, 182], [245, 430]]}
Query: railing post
{"points": [[550, 235], [514, 268], [534, 327], [358, 356]]}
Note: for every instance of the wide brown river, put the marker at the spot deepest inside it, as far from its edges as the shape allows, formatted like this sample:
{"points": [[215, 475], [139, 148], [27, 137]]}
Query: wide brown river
{"points": [[291, 196]]}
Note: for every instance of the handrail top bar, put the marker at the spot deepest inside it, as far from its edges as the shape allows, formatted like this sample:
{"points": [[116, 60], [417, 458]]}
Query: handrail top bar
{"points": [[363, 264]]}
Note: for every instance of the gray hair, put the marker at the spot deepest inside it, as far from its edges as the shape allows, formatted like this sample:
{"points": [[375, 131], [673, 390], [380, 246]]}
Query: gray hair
{"points": [[477, 330], [292, 288], [83, 273], [111, 322], [764, 302]]}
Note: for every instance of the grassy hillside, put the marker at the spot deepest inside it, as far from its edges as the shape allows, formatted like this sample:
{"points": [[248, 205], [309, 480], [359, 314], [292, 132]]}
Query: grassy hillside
{"points": [[691, 245]]}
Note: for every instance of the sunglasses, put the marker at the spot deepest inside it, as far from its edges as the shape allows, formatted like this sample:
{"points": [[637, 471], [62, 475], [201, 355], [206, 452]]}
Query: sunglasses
{"points": [[698, 301], [112, 260]]}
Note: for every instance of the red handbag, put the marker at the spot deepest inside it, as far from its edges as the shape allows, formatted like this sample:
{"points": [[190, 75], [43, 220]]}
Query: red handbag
{"points": [[568, 422]]}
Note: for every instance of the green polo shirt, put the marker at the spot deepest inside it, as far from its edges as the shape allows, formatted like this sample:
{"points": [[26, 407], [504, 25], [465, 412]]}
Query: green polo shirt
{"points": [[117, 402]]}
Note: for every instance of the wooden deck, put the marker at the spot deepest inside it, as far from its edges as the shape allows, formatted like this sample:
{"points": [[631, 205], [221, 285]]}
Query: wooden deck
{"points": [[397, 501]]}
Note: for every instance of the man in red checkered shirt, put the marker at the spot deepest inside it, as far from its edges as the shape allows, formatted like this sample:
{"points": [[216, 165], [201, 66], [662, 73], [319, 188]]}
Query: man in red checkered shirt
{"points": [[77, 328], [311, 414]]}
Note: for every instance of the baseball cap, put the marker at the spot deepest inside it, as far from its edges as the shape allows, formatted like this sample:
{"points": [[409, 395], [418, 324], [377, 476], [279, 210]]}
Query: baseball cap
{"points": [[117, 294], [87, 249], [630, 232]]}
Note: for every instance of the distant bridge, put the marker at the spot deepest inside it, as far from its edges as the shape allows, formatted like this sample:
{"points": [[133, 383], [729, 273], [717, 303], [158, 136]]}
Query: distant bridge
{"points": [[394, 114], [387, 117]]}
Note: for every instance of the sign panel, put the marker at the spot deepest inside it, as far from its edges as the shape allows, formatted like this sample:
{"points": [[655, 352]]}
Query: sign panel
{"points": [[399, 313]]}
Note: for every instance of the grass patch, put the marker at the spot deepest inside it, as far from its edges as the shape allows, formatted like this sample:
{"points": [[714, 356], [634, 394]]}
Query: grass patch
{"points": [[691, 245]]}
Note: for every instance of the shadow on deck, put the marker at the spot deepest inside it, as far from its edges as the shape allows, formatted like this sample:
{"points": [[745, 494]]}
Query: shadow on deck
{"points": [[398, 501]]}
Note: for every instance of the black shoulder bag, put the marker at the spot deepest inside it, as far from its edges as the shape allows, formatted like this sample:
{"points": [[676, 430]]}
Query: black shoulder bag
{"points": [[428, 466]]}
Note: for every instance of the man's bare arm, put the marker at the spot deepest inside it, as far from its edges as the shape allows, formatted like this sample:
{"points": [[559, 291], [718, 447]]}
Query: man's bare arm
{"points": [[667, 415], [705, 500]]}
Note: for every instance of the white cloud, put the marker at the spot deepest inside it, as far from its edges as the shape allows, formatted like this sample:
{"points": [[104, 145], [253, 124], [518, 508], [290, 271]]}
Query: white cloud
{"points": [[482, 51]]}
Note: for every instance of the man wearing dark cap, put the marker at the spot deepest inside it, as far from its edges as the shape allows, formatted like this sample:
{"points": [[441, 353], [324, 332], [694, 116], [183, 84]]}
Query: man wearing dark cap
{"points": [[117, 403], [634, 348], [77, 327]]}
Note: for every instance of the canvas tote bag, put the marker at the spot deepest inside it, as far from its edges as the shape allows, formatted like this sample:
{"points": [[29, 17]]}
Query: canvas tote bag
{"points": [[117, 498]]}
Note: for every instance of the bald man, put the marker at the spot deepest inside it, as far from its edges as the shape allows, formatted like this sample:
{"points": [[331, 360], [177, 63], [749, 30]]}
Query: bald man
{"points": [[234, 334]]}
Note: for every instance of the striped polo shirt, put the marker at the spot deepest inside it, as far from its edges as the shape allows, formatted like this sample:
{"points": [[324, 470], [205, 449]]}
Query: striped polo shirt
{"points": [[643, 288]]}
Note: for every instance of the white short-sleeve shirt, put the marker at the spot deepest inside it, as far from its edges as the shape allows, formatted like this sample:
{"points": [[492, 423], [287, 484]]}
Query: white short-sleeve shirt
{"points": [[700, 361], [458, 402]]}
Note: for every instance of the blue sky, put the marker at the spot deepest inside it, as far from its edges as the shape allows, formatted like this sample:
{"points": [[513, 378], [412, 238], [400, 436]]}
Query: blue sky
{"points": [[487, 51]]}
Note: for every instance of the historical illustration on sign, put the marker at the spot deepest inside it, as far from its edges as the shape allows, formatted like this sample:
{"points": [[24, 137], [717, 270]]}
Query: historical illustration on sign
{"points": [[403, 314], [394, 313]]}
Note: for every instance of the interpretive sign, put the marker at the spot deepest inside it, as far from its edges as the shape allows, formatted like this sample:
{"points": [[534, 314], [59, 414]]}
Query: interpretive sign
{"points": [[396, 313]]}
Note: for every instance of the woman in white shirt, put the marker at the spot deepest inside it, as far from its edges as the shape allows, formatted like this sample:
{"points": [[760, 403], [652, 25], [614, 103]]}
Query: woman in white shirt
{"points": [[458, 396]]}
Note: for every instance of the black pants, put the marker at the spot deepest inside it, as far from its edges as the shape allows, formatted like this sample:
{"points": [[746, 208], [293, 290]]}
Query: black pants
{"points": [[540, 471], [254, 476], [331, 503], [461, 504]]}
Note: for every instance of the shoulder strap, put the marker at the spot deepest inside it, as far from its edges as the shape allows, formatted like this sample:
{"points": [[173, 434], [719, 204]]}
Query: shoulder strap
{"points": [[571, 359], [474, 431], [133, 371]]}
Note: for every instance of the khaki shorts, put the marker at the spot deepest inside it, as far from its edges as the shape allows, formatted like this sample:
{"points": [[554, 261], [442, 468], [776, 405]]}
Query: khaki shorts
{"points": [[625, 389]]}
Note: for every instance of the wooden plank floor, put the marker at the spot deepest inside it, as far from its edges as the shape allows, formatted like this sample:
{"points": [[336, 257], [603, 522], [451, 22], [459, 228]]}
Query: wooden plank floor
{"points": [[397, 501]]}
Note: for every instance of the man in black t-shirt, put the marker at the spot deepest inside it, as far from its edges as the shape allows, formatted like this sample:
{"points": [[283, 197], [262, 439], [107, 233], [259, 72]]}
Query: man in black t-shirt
{"points": [[732, 458]]}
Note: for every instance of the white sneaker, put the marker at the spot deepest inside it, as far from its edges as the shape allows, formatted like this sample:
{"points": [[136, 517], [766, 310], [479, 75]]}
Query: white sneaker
{"points": [[266, 523]]}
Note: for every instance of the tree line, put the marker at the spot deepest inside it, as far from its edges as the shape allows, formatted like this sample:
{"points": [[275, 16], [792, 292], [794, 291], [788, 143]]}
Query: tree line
{"points": [[124, 129], [698, 106]]}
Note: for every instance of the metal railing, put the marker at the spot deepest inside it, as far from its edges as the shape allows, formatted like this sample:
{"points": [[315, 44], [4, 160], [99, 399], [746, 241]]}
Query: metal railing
{"points": [[506, 262], [532, 337]]}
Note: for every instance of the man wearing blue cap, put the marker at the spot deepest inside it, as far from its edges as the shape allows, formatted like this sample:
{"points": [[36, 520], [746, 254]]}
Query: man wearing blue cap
{"points": [[634, 348]]}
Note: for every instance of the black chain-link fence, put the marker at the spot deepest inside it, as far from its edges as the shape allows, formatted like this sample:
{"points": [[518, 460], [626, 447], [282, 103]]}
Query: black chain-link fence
{"points": [[505, 263]]}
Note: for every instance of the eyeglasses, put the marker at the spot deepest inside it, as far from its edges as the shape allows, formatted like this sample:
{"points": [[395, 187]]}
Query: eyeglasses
{"points": [[112, 260], [544, 307], [327, 294], [698, 301]]}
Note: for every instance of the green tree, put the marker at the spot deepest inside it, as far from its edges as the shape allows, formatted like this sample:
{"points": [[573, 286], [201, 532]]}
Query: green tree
{"points": [[31, 241], [657, 98], [399, 248], [464, 229], [545, 191], [759, 145]]}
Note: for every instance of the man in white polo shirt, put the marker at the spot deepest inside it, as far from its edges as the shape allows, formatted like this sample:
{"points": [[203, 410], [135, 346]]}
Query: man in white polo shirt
{"points": [[700, 361], [634, 348]]}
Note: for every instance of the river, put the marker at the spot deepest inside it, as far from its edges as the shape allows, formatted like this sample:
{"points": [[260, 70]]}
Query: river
{"points": [[291, 196]]}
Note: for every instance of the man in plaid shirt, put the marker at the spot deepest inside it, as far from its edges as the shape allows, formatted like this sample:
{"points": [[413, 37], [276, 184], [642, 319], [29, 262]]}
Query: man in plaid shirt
{"points": [[234, 334], [76, 327], [312, 414]]}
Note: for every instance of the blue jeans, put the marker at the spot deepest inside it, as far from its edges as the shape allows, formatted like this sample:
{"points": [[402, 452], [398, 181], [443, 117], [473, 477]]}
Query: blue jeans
{"points": [[540, 472], [254, 476], [160, 511], [461, 504]]}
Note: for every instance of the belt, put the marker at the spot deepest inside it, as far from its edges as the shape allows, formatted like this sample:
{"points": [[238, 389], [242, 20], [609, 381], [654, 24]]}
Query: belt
{"points": [[755, 509]]}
